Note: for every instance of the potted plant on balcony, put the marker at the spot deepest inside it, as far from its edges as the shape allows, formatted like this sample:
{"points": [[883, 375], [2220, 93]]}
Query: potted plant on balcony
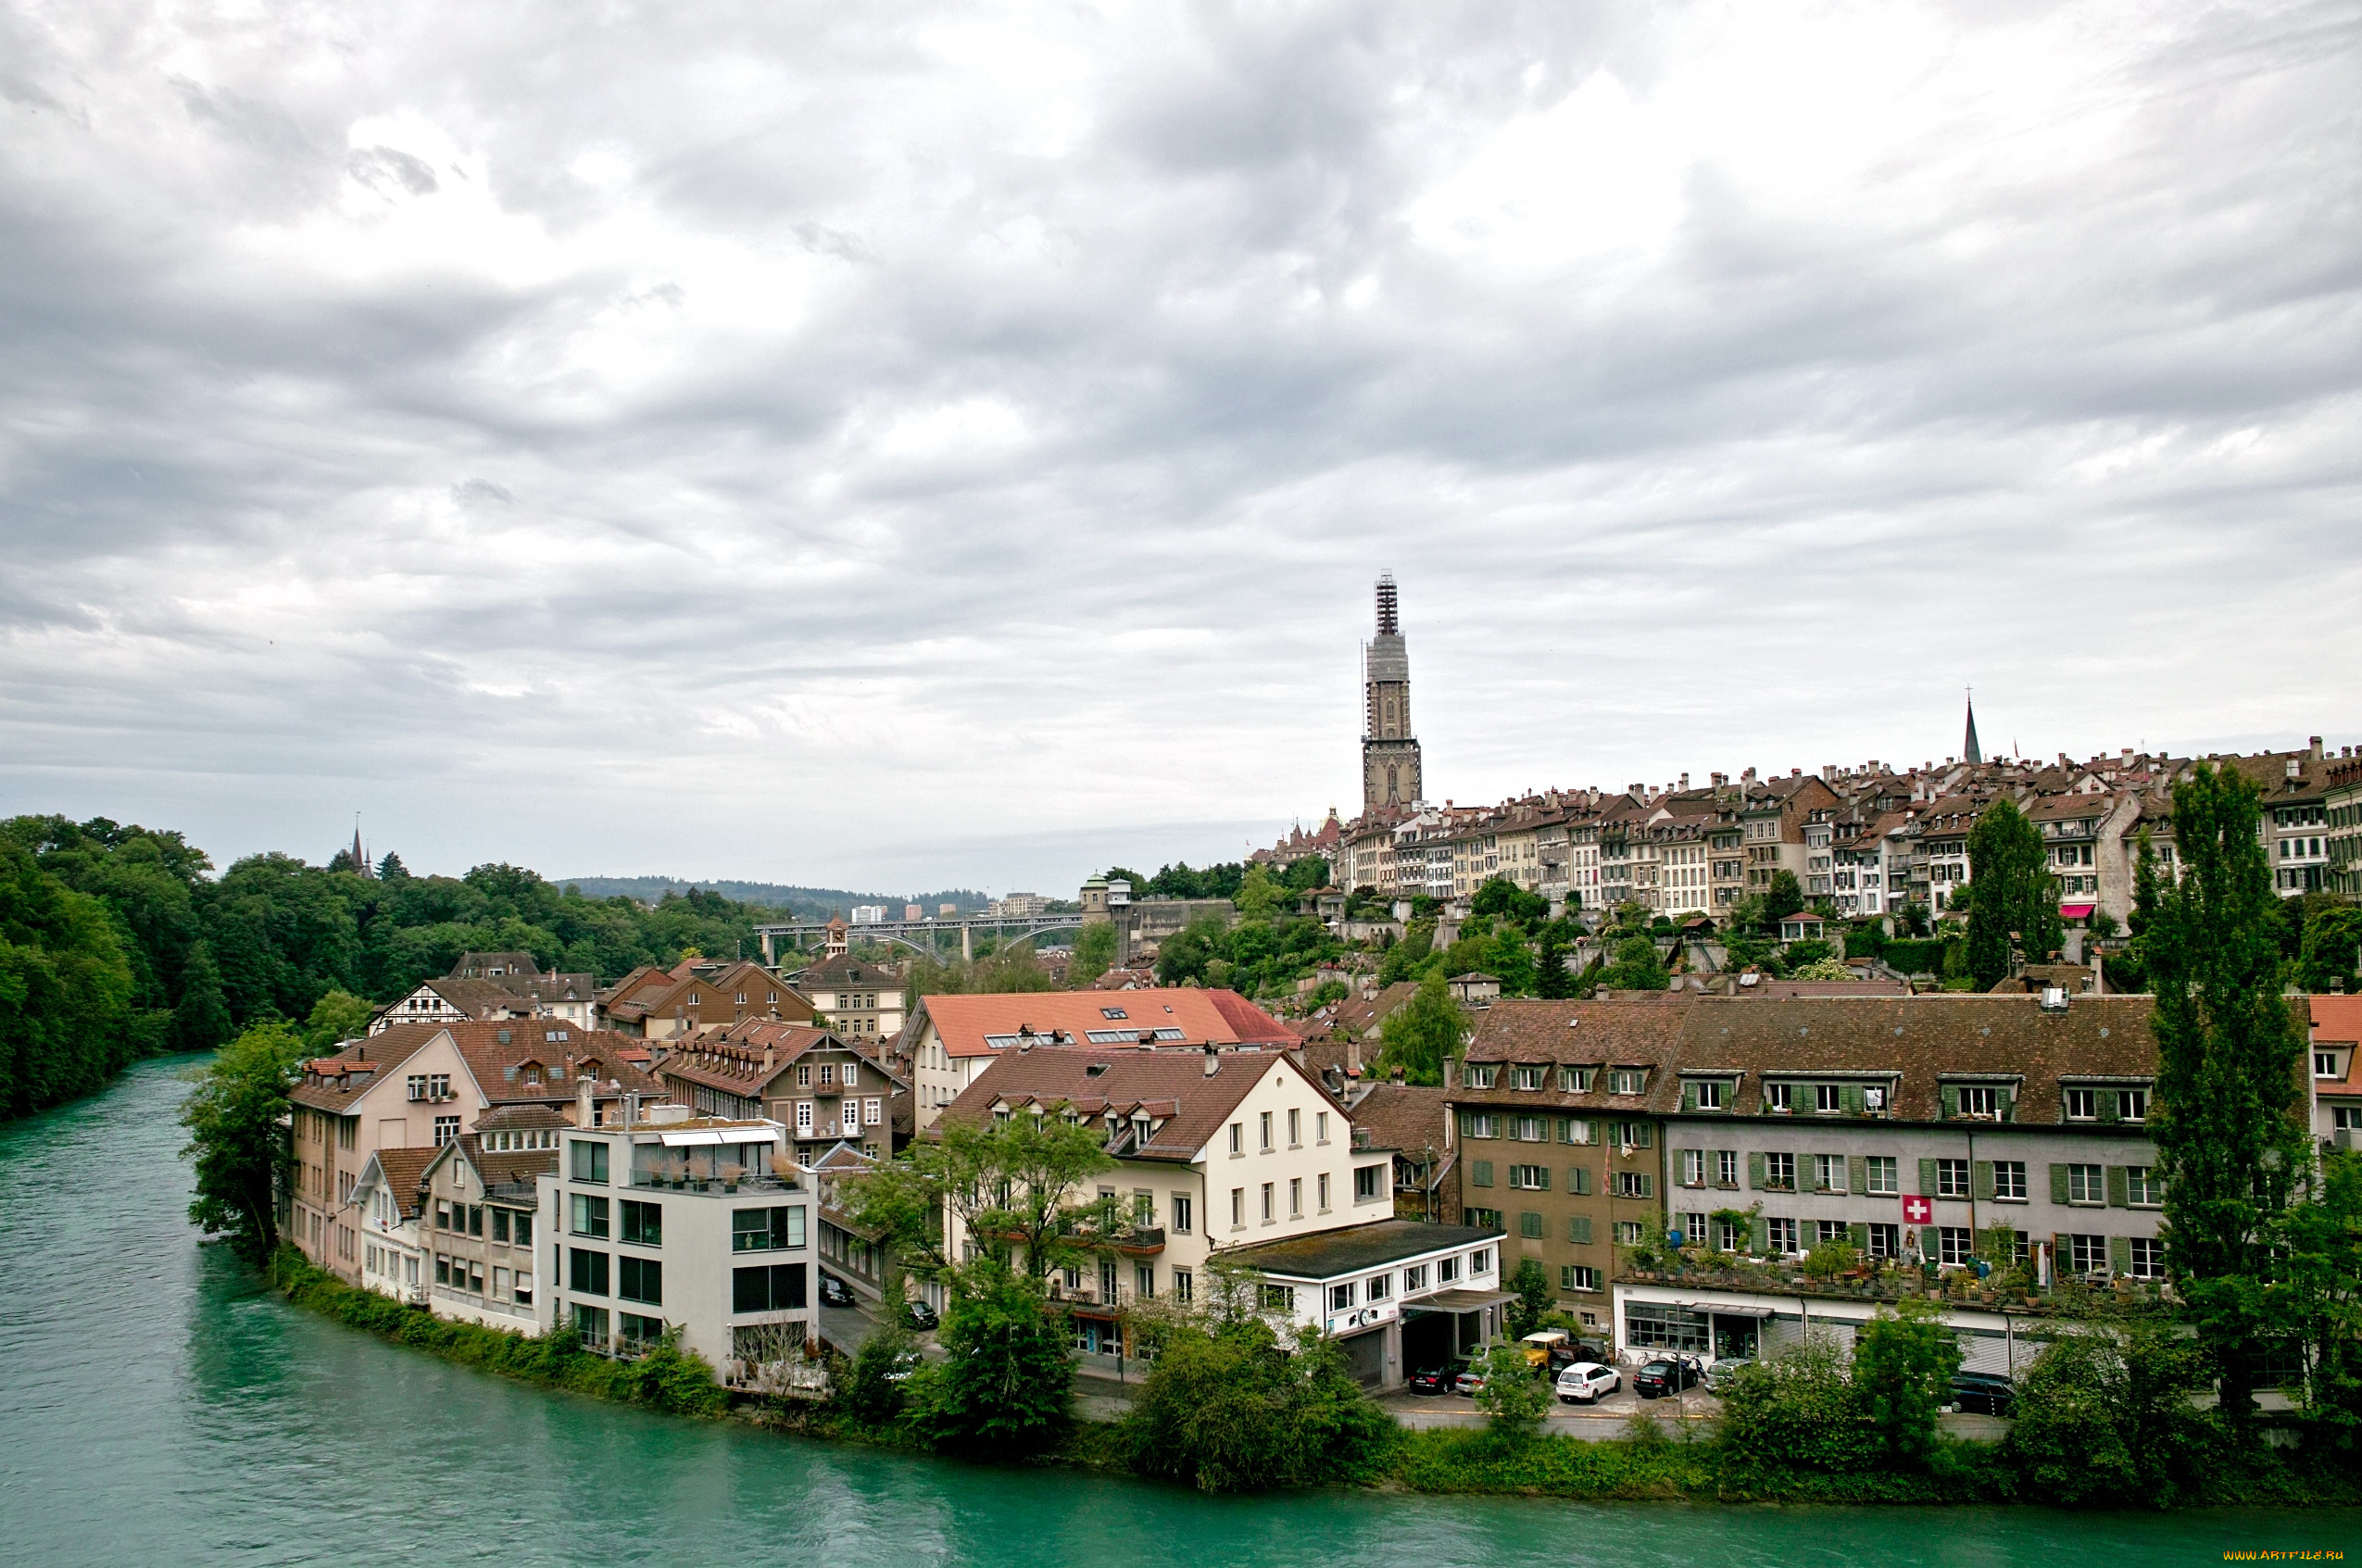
{"points": [[731, 1175]]}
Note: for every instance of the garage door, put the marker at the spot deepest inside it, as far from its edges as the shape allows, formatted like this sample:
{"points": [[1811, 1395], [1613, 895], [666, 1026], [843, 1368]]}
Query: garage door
{"points": [[1365, 1352]]}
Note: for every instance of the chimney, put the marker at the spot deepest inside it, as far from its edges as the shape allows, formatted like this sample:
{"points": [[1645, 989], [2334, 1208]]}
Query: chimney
{"points": [[631, 1110], [769, 1059], [1398, 1077], [1352, 1055], [1684, 781], [584, 1115], [2317, 749], [2294, 768], [1213, 1060]]}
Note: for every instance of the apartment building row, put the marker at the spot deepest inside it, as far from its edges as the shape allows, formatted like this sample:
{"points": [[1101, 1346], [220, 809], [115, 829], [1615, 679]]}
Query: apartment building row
{"points": [[1870, 840], [1907, 1127]]}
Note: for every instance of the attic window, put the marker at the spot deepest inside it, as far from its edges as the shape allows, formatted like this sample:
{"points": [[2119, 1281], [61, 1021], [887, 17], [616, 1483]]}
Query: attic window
{"points": [[1114, 1012], [558, 1035], [503, 1037], [1095, 1069]]}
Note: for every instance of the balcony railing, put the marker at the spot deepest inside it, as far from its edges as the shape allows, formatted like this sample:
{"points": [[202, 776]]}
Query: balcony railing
{"points": [[664, 1181]]}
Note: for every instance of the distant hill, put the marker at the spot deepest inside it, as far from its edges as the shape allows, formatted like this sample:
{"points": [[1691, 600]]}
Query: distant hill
{"points": [[816, 903]]}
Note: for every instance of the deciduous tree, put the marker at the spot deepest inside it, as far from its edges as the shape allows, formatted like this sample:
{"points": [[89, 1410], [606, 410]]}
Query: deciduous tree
{"points": [[237, 1117]]}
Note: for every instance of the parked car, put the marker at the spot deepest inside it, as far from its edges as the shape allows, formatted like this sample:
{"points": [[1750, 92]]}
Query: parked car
{"points": [[1983, 1393], [919, 1315], [1724, 1372], [1546, 1347], [835, 1292], [1587, 1383], [1433, 1379], [1470, 1380], [1667, 1375]]}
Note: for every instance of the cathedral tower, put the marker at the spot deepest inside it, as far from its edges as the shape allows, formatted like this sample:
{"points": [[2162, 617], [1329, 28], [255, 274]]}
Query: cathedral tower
{"points": [[1390, 754]]}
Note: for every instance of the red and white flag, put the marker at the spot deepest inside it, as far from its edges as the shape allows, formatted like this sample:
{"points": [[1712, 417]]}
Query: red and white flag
{"points": [[1918, 1210]]}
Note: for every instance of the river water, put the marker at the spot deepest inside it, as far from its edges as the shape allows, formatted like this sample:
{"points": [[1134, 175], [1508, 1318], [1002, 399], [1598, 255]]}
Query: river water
{"points": [[159, 1407]]}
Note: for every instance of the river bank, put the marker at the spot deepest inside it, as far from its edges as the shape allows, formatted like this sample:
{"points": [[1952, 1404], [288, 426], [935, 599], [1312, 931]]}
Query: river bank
{"points": [[1652, 1465]]}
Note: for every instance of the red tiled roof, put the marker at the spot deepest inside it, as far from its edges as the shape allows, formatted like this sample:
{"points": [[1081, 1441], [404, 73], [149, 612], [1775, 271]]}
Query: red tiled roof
{"points": [[962, 1022]]}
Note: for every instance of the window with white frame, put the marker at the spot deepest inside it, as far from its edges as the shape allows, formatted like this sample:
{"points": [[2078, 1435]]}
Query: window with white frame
{"points": [[2082, 1104], [2148, 1258], [1693, 1167], [1828, 1173], [1956, 1243], [2087, 1254], [2086, 1183], [1726, 1167], [1952, 1178], [2009, 1179], [1781, 1233], [1779, 1098]]}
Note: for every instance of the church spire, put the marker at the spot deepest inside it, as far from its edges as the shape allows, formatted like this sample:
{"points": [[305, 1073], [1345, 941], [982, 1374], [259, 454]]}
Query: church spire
{"points": [[1969, 750], [1389, 753]]}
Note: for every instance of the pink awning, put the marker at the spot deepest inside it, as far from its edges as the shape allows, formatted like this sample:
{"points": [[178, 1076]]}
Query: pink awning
{"points": [[2075, 911]]}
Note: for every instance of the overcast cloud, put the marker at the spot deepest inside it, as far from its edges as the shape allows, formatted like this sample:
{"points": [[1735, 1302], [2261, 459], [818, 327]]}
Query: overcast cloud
{"points": [[898, 445]]}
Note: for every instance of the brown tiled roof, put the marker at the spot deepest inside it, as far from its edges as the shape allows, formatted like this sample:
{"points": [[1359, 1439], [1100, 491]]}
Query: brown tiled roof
{"points": [[405, 1171], [1360, 1018], [554, 1043], [2339, 1020], [1092, 1081], [844, 969], [513, 1168], [335, 1082], [519, 1118], [1406, 1116], [1251, 1023], [1577, 1034]]}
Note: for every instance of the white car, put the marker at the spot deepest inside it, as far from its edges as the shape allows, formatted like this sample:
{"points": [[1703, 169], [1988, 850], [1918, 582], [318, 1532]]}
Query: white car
{"points": [[1587, 1382]]}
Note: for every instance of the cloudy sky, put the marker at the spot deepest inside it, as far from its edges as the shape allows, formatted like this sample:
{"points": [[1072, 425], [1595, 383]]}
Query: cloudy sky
{"points": [[901, 445]]}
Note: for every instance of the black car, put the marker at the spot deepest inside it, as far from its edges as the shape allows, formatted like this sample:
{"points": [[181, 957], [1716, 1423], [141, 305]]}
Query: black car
{"points": [[1667, 1375], [919, 1315], [1433, 1379], [835, 1292], [1983, 1393]]}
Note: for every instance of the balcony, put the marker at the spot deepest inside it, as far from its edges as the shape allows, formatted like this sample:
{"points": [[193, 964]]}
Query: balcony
{"points": [[1141, 1241]]}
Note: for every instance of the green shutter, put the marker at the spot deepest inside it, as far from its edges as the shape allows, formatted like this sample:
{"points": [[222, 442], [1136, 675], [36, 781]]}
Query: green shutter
{"points": [[2120, 1254], [1542, 1178], [2120, 1189], [1853, 1099], [1927, 1178], [1759, 1236], [1579, 1229], [2111, 1106], [1860, 1166], [1688, 1097], [1578, 1180], [1984, 1177], [1468, 1125], [1860, 1237], [1755, 1171], [1648, 1186], [2008, 1102], [1483, 1173], [1951, 1101], [1566, 1129], [1643, 1133], [2062, 1253], [2058, 1183]]}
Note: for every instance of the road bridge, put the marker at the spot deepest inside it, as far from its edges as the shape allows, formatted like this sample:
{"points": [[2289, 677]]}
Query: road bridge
{"points": [[919, 935]]}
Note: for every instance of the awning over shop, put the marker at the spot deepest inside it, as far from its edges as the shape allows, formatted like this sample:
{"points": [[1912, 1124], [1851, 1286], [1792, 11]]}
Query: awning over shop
{"points": [[1722, 1312], [2075, 911], [687, 1140], [1459, 1301]]}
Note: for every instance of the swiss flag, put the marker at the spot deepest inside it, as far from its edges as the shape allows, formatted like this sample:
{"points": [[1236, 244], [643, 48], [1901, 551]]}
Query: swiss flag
{"points": [[1918, 1210]]}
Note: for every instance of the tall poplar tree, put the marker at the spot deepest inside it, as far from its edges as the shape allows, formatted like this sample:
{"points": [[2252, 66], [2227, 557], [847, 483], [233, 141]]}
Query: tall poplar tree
{"points": [[2014, 893], [2231, 1148]]}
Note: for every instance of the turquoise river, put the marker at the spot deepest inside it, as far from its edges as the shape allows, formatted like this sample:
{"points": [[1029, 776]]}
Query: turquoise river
{"points": [[161, 1409]]}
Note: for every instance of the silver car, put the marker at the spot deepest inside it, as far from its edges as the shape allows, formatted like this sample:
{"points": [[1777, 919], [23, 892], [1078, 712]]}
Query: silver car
{"points": [[1587, 1383], [1725, 1372]]}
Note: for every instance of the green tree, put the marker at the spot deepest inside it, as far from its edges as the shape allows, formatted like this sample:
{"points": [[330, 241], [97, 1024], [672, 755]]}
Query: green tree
{"points": [[66, 1020], [1307, 875], [237, 1117], [2320, 1305], [1094, 954], [1258, 896], [1422, 1034], [1797, 1411], [335, 1018], [1182, 959], [1783, 898], [1227, 1407], [1903, 1359], [2107, 1416], [1006, 1386], [1531, 1282], [2332, 942], [1012, 1186], [1501, 899], [201, 1018], [1637, 967], [2015, 894], [1551, 977], [871, 1394], [2230, 1145], [1513, 1397]]}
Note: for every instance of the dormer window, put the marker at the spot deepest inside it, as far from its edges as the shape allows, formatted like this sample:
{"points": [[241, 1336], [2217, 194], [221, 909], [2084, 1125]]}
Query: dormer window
{"points": [[1829, 1098], [1779, 1098], [1574, 1080], [2329, 1062], [1113, 1013], [1481, 1076], [1527, 1077], [1628, 1081], [2082, 1104]]}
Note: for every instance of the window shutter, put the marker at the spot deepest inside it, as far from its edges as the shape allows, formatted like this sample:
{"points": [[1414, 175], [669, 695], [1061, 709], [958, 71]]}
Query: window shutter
{"points": [[2063, 1254], [1483, 1173], [1984, 1175], [1755, 1171], [1859, 1234], [1950, 1103], [1566, 1129], [1579, 1229], [2111, 1106], [1468, 1125], [1759, 1235], [1854, 1099], [1542, 1178], [2007, 1099], [2058, 1183], [1688, 1097], [1648, 1186], [2120, 1254], [1578, 1180], [1927, 1178], [2120, 1189], [1860, 1165], [1682, 1160], [1642, 1135]]}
